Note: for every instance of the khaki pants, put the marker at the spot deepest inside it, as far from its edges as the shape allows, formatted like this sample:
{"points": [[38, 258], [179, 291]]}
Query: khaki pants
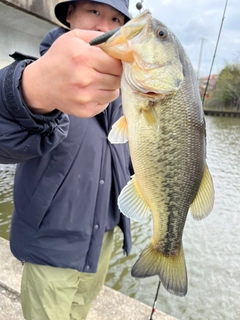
{"points": [[49, 293]]}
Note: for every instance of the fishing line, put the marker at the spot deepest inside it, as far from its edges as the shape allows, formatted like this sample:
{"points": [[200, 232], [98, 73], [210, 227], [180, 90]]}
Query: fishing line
{"points": [[205, 91], [154, 310]]}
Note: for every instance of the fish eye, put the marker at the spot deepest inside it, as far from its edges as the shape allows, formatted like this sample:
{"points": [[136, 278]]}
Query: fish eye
{"points": [[162, 33]]}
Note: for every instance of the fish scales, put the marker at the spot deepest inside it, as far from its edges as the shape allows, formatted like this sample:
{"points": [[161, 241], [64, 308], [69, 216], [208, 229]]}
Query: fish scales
{"points": [[166, 175], [164, 125]]}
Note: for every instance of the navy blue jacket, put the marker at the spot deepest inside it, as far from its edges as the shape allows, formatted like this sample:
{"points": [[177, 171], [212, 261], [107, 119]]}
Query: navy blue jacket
{"points": [[67, 179]]}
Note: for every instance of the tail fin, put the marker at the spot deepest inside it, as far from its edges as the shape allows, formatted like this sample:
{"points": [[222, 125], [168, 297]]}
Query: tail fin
{"points": [[170, 269]]}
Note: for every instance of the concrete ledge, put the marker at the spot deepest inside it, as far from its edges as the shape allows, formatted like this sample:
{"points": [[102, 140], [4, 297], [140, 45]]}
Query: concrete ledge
{"points": [[109, 305], [43, 9]]}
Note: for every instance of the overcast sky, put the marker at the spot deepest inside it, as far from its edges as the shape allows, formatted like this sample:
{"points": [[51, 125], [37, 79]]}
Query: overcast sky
{"points": [[194, 20]]}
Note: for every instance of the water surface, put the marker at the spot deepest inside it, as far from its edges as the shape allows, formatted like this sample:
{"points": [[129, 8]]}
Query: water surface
{"points": [[6, 202], [211, 246]]}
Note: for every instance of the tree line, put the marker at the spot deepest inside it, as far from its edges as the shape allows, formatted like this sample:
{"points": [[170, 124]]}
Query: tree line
{"points": [[226, 93]]}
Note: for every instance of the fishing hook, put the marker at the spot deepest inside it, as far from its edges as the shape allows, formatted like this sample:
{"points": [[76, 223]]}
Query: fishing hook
{"points": [[139, 5]]}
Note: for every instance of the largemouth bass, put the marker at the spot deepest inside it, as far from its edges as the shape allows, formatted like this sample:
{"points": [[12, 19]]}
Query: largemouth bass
{"points": [[164, 124]]}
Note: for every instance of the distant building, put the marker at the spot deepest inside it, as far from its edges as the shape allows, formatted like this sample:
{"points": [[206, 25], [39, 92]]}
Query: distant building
{"points": [[211, 84]]}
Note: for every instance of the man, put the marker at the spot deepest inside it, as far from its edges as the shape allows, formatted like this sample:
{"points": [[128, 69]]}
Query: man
{"points": [[69, 176]]}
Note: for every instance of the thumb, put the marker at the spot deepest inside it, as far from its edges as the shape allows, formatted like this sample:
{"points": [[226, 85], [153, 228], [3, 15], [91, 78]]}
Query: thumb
{"points": [[85, 35]]}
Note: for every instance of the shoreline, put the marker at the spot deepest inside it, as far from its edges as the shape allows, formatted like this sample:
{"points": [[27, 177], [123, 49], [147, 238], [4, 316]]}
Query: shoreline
{"points": [[218, 113], [109, 305]]}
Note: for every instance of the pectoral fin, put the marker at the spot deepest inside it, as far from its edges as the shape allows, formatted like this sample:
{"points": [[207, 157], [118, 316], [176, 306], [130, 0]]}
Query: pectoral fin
{"points": [[151, 118], [119, 131], [131, 202], [203, 202]]}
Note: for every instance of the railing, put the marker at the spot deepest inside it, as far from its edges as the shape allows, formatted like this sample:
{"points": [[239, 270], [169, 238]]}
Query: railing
{"points": [[222, 113]]}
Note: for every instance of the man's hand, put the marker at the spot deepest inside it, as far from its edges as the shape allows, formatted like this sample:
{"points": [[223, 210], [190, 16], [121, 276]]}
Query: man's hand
{"points": [[73, 77]]}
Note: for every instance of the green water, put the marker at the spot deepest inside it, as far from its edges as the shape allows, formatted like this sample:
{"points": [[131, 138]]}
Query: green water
{"points": [[6, 202], [211, 246]]}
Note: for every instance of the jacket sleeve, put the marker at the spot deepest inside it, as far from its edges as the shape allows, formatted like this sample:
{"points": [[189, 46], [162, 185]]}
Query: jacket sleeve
{"points": [[24, 135]]}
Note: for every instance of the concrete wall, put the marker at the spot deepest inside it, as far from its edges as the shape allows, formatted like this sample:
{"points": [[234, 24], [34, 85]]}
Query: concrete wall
{"points": [[23, 24], [43, 9]]}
